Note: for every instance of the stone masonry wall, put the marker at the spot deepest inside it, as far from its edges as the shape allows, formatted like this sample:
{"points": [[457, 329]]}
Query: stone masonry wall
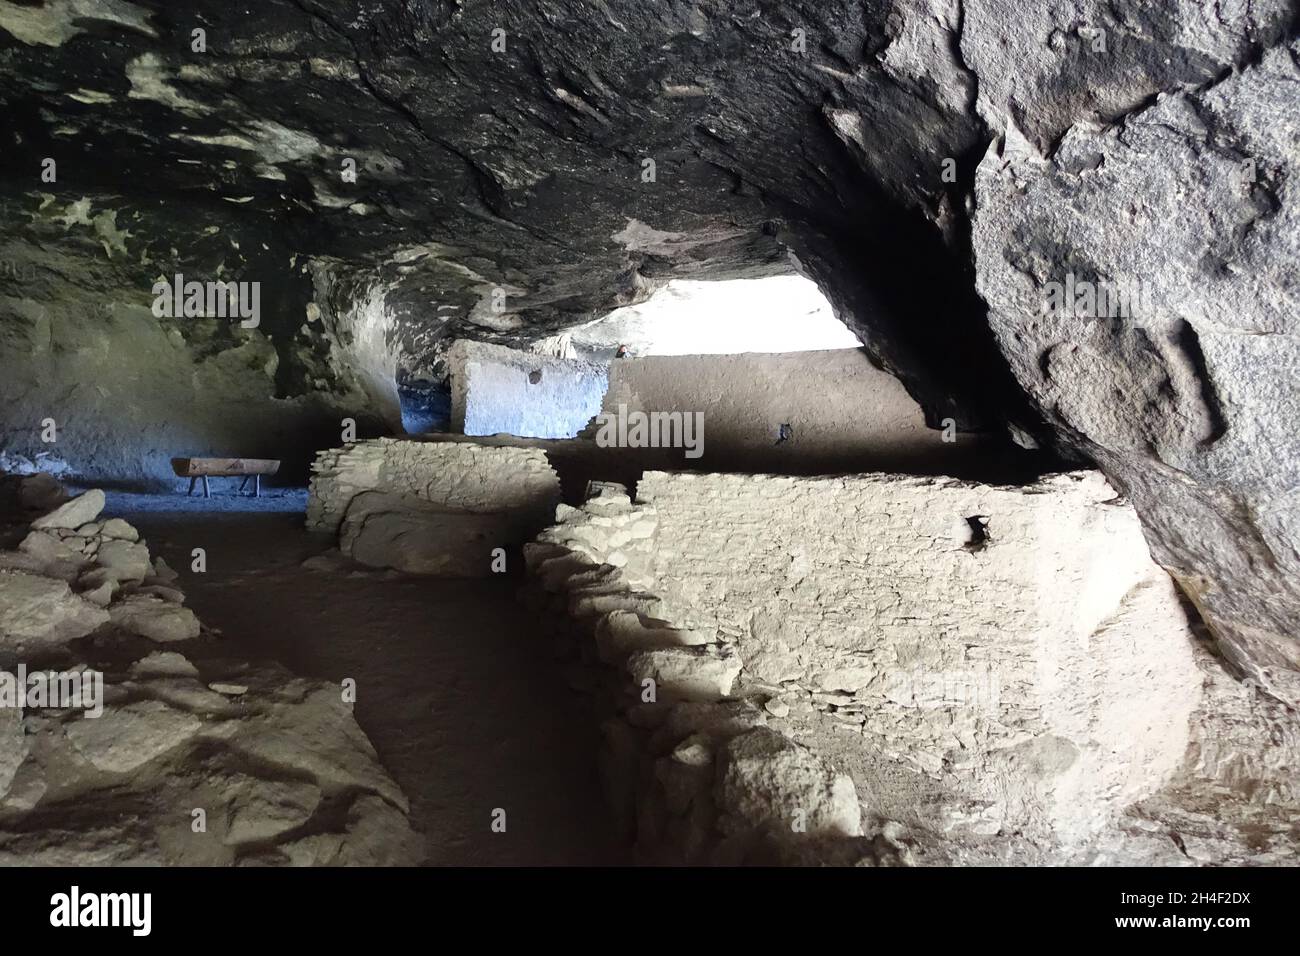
{"points": [[456, 476], [1017, 646], [694, 773], [882, 669], [438, 508]]}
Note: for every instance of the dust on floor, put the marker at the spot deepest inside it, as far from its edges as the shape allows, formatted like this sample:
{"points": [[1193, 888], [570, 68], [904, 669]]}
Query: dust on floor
{"points": [[456, 688]]}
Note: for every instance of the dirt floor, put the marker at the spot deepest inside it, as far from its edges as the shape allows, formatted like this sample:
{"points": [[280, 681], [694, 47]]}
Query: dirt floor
{"points": [[455, 688]]}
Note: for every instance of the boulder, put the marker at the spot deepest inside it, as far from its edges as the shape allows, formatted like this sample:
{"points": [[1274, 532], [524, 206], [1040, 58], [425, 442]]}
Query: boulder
{"points": [[51, 550], [43, 610], [154, 618], [120, 530], [124, 560], [75, 513], [768, 781]]}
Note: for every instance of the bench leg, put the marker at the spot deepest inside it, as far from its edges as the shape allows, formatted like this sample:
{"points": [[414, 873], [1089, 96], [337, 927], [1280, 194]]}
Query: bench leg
{"points": [[191, 491], [207, 492], [257, 486]]}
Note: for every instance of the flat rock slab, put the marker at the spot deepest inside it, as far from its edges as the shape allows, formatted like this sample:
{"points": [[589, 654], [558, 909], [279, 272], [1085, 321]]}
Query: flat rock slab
{"points": [[43, 610], [154, 618], [393, 531], [75, 513]]}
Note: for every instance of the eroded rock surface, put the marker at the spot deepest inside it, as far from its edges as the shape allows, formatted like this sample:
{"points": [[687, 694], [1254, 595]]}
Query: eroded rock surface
{"points": [[1179, 390]]}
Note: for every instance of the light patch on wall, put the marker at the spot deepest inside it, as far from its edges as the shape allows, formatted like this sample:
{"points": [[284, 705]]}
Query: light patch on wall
{"points": [[58, 21], [149, 78], [776, 314]]}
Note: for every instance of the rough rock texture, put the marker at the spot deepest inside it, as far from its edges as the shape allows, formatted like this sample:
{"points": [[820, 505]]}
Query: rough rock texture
{"points": [[1004, 673], [694, 776], [195, 759], [1187, 397], [775, 412], [37, 610]]}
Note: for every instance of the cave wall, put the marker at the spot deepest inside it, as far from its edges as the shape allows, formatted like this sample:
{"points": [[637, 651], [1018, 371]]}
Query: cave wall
{"points": [[867, 421], [1185, 391], [126, 388]]}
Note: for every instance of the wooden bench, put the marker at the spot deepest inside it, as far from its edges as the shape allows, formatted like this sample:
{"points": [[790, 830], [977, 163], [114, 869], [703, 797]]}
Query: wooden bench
{"points": [[205, 468]]}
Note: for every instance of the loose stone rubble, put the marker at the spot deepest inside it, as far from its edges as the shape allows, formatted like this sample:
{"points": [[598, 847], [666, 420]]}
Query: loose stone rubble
{"points": [[195, 759], [998, 674]]}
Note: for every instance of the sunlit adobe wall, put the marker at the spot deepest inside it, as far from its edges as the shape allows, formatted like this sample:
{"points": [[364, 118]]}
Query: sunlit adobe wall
{"points": [[498, 390]]}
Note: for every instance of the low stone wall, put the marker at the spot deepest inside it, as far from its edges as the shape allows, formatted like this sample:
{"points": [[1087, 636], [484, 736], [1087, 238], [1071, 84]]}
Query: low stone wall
{"points": [[431, 507], [880, 669]]}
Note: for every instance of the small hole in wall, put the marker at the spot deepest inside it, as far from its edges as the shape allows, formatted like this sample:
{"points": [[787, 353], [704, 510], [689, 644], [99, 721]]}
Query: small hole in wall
{"points": [[534, 376], [978, 537]]}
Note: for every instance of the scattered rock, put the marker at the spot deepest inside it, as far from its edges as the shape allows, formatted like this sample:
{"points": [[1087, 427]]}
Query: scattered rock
{"points": [[50, 549], [124, 560], [119, 530], [163, 664], [43, 610], [101, 595], [75, 513], [172, 736], [123, 739], [163, 572], [777, 707], [156, 619]]}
